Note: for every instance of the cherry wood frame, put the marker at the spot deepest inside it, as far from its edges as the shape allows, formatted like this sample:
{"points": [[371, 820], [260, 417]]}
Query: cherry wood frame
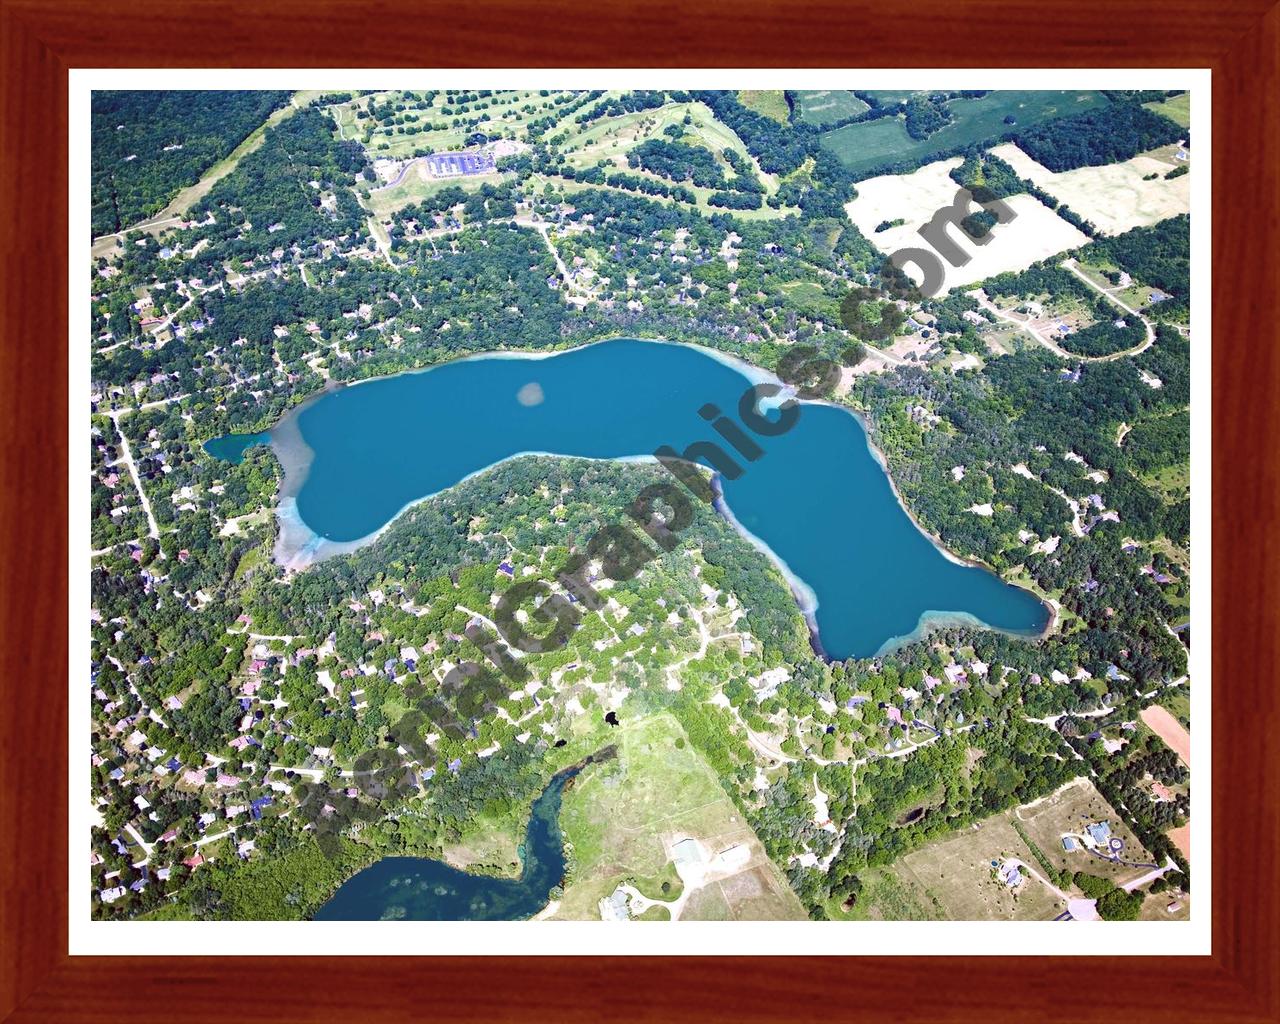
{"points": [[41, 39]]}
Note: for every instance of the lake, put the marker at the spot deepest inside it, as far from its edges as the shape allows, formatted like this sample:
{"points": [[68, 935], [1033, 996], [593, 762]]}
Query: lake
{"points": [[817, 499], [422, 889]]}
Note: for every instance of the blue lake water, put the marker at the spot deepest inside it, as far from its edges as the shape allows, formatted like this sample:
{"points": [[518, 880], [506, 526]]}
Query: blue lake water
{"points": [[422, 889], [817, 497]]}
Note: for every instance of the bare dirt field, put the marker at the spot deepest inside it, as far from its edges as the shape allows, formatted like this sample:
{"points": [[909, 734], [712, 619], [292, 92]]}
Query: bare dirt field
{"points": [[1114, 196], [1169, 729], [1035, 233]]}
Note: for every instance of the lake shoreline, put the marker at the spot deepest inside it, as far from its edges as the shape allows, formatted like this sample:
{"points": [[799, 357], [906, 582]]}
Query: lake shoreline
{"points": [[973, 563], [298, 546]]}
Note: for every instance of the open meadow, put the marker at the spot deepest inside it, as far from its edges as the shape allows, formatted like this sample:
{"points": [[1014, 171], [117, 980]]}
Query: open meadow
{"points": [[1175, 108], [1034, 234], [770, 102], [1115, 197], [826, 105]]}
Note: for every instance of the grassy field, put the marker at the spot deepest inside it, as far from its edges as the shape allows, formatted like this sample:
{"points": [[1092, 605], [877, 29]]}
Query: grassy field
{"points": [[617, 812], [1035, 233], [865, 146], [1171, 483], [1176, 108], [886, 897], [1115, 197], [1178, 701], [952, 878], [610, 138], [824, 106], [584, 145], [770, 102], [491, 843], [567, 187], [383, 202], [891, 96]]}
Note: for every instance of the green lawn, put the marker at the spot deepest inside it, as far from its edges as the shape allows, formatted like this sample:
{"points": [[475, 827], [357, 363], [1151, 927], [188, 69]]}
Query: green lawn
{"points": [[1176, 108], [383, 202], [506, 114]]}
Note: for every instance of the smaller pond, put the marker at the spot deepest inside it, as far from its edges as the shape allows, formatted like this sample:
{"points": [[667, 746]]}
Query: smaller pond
{"points": [[231, 447], [424, 889]]}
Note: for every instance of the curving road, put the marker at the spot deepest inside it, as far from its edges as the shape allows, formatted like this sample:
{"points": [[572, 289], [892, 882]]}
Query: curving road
{"points": [[980, 297]]}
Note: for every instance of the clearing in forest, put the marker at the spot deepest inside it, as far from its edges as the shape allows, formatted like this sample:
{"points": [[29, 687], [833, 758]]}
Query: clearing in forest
{"points": [[1034, 234], [1114, 197], [617, 813]]}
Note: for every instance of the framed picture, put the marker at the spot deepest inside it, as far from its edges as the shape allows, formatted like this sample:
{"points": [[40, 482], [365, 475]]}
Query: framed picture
{"points": [[524, 505]]}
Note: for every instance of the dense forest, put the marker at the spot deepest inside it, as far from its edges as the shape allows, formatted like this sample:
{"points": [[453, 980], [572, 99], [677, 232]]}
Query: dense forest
{"points": [[1104, 135], [148, 144]]}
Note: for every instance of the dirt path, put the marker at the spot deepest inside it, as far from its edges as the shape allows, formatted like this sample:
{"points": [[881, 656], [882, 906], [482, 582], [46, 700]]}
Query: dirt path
{"points": [[1151, 331], [126, 456], [1022, 865], [1077, 527]]}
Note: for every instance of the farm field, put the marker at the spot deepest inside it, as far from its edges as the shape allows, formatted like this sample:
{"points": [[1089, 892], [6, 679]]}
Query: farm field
{"points": [[824, 106], [1034, 234], [1176, 108], [1113, 196], [866, 146], [620, 816]]}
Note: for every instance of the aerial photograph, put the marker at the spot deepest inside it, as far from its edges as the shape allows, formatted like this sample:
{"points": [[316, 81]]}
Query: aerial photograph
{"points": [[637, 505]]}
